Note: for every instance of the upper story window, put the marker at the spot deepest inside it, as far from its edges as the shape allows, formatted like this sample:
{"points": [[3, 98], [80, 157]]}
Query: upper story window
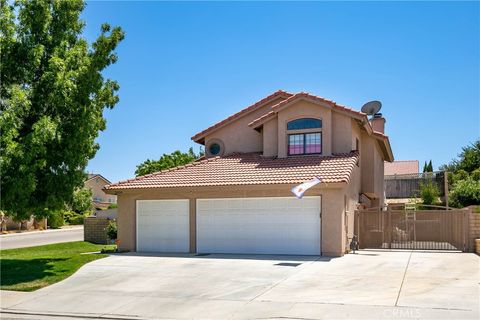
{"points": [[304, 136], [304, 123]]}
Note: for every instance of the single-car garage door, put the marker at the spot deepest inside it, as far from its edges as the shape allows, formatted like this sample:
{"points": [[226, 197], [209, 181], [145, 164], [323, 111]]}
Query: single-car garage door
{"points": [[163, 225], [259, 225]]}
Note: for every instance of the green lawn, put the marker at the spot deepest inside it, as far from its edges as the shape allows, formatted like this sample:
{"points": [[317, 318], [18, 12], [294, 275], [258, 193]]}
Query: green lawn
{"points": [[29, 269]]}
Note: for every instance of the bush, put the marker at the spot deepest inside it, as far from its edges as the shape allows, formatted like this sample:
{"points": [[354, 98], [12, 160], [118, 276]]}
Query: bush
{"points": [[465, 193], [55, 219], [429, 193], [112, 230], [113, 206], [73, 218]]}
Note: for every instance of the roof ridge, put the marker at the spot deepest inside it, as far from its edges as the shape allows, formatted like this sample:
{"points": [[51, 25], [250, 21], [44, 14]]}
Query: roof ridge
{"points": [[250, 107]]}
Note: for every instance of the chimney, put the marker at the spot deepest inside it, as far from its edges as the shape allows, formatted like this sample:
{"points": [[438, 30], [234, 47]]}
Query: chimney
{"points": [[378, 123]]}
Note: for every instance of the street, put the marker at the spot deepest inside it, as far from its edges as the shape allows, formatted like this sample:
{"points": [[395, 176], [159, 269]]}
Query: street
{"points": [[38, 238]]}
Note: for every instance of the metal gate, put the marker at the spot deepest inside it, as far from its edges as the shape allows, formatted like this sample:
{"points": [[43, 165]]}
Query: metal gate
{"points": [[412, 229]]}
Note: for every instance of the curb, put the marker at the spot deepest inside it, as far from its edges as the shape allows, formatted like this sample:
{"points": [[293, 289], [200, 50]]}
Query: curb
{"points": [[70, 315], [39, 232]]}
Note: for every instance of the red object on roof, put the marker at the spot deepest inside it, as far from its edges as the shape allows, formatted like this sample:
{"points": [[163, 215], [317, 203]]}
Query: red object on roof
{"points": [[401, 167], [248, 169]]}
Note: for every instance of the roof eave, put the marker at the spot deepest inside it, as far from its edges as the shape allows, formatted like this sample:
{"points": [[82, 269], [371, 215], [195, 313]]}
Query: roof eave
{"points": [[200, 137]]}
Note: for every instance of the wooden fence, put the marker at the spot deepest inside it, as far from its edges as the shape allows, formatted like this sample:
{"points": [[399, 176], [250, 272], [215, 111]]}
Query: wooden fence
{"points": [[408, 186]]}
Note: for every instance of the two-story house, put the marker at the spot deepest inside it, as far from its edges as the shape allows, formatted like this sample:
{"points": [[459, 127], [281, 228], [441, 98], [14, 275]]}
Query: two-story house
{"points": [[96, 183], [238, 199]]}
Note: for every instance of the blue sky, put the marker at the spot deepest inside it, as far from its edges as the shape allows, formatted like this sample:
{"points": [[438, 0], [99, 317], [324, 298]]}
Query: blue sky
{"points": [[184, 66]]}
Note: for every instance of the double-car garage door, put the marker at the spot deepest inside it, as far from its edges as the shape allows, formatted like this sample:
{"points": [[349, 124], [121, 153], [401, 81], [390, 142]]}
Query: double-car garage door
{"points": [[235, 225]]}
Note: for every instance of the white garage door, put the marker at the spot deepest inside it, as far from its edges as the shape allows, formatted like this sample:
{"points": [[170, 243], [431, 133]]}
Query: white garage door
{"points": [[163, 225], [259, 225]]}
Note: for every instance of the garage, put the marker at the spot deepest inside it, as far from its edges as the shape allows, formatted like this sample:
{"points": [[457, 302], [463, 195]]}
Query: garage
{"points": [[163, 225], [273, 225]]}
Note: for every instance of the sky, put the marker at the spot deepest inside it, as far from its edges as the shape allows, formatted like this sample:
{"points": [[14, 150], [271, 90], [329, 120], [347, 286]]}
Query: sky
{"points": [[184, 66]]}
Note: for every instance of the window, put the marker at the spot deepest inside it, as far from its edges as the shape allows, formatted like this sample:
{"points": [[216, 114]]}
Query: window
{"points": [[214, 149], [305, 143], [304, 123], [308, 142]]}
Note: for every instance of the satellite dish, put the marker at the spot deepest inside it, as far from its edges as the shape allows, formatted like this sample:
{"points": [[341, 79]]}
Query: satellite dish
{"points": [[372, 107]]}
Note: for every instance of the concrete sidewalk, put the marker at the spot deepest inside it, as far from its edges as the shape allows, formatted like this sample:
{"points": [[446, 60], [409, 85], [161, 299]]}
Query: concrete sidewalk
{"points": [[367, 285]]}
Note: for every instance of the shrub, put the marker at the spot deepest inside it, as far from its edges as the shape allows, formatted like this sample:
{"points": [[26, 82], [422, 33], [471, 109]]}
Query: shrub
{"points": [[429, 193], [113, 206], [465, 193], [55, 219], [73, 218], [112, 230]]}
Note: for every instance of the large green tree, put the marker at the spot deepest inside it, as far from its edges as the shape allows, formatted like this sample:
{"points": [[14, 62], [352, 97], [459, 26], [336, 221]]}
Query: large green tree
{"points": [[167, 161], [53, 96], [464, 176]]}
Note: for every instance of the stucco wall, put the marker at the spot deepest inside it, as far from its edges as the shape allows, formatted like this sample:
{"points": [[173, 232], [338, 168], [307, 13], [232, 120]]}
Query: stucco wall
{"points": [[96, 184], [238, 136], [378, 171], [332, 231], [270, 138], [353, 191], [341, 133], [305, 109]]}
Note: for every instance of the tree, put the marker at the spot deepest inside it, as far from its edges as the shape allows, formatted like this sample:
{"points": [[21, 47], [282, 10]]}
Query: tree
{"points": [[167, 161], [53, 96], [430, 166], [464, 177], [468, 159], [82, 200], [465, 193]]}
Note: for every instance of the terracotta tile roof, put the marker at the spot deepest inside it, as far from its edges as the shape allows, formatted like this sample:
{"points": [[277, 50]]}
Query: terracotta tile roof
{"points": [[248, 169], [276, 94], [308, 96], [401, 167]]}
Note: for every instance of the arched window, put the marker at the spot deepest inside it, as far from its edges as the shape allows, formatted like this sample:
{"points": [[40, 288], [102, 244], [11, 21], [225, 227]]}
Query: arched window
{"points": [[307, 142], [304, 123]]}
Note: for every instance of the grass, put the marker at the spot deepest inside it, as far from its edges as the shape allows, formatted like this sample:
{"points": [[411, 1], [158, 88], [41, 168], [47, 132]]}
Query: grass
{"points": [[29, 269]]}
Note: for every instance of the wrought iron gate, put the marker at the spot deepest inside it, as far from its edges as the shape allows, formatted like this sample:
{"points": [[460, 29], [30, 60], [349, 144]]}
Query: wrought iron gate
{"points": [[412, 229]]}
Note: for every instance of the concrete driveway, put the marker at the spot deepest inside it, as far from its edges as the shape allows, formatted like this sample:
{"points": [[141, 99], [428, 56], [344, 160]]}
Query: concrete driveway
{"points": [[367, 285]]}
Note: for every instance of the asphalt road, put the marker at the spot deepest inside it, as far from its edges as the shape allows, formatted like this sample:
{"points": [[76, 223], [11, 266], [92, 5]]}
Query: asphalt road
{"points": [[38, 238]]}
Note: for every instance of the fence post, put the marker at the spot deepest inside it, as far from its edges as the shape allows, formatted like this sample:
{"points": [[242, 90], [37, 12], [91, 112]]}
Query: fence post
{"points": [[389, 219], [445, 184]]}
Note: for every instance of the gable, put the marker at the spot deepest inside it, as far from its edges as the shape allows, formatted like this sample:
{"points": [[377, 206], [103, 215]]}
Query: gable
{"points": [[274, 98]]}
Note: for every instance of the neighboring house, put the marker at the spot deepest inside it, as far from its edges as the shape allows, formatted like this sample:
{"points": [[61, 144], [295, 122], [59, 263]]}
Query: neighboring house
{"points": [[400, 167], [96, 183], [238, 199]]}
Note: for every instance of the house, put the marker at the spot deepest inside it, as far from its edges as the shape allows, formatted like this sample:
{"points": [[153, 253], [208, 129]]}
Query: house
{"points": [[238, 200], [401, 167], [96, 183]]}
